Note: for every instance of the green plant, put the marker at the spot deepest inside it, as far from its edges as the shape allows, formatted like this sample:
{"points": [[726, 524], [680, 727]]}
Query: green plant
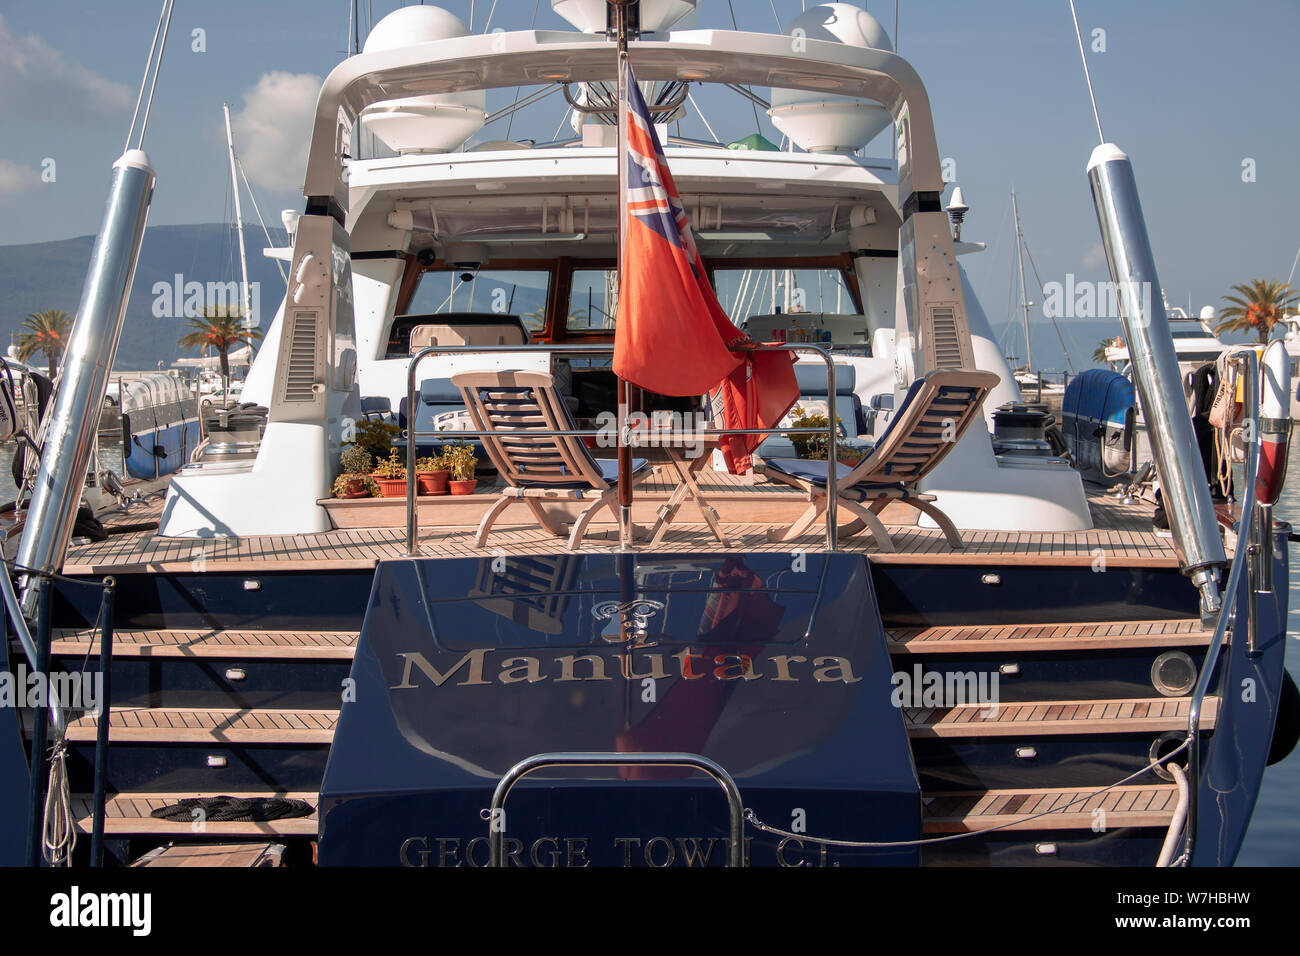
{"points": [[46, 332], [1099, 353], [808, 445], [1257, 307], [391, 467], [356, 460], [432, 463], [460, 461], [343, 485], [376, 437], [220, 329]]}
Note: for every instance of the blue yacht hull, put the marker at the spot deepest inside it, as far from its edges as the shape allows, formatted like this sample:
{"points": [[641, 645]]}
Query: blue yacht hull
{"points": [[782, 676]]}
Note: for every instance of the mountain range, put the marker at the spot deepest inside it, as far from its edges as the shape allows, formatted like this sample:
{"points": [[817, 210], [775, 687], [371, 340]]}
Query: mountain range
{"points": [[49, 275]]}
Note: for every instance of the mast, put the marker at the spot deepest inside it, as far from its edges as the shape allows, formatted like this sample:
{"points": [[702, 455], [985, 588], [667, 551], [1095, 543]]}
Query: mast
{"points": [[1024, 300], [244, 303], [621, 10]]}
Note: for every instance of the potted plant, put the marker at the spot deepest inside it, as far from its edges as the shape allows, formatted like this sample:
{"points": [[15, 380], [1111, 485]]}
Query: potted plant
{"points": [[355, 481], [431, 473], [390, 475], [375, 437], [461, 463], [808, 445]]}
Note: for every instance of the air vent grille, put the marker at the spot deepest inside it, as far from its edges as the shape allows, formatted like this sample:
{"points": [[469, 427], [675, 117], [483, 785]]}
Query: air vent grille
{"points": [[947, 343], [301, 379]]}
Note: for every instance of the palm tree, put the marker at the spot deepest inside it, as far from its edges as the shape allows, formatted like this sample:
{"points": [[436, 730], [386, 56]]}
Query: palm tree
{"points": [[1099, 353], [220, 329], [1257, 307], [47, 332]]}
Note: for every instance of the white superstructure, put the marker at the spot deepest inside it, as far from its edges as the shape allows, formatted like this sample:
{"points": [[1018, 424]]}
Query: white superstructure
{"points": [[504, 242]]}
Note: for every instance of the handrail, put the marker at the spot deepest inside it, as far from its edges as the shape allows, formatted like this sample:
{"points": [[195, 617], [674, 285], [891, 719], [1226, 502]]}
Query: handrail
{"points": [[735, 808], [831, 432], [1228, 612]]}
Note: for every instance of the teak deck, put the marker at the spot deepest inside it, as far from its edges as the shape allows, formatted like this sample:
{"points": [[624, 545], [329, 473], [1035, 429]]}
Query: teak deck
{"points": [[1121, 537]]}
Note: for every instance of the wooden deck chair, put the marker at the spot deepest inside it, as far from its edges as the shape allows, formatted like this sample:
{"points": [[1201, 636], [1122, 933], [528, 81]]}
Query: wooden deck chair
{"points": [[509, 404], [933, 416]]}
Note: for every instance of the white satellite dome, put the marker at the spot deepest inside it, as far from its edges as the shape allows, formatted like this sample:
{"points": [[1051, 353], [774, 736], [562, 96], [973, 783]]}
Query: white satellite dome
{"points": [[827, 122], [1209, 313], [422, 124], [656, 15]]}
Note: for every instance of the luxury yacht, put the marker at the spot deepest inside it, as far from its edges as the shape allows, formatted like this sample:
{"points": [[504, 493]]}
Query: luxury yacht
{"points": [[1194, 340], [970, 655]]}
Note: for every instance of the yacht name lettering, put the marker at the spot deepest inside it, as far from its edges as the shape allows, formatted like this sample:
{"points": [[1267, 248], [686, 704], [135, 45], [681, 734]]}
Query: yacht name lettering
{"points": [[472, 669], [575, 852]]}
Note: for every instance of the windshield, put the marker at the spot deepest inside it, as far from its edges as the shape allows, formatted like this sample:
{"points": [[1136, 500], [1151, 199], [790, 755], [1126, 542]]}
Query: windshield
{"points": [[746, 292], [513, 292]]}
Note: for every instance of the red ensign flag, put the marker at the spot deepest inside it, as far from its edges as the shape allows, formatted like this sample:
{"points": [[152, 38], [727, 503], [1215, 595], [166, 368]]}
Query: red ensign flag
{"points": [[672, 336]]}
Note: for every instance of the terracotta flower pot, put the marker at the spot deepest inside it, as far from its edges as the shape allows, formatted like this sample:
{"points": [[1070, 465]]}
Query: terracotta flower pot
{"points": [[356, 488], [432, 482], [465, 487], [391, 487]]}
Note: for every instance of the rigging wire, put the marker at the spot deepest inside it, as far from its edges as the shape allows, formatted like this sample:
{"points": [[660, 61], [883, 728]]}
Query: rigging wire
{"points": [[1043, 292], [153, 87], [135, 115], [703, 118], [771, 4], [1086, 75], [257, 209], [152, 64], [532, 25], [758, 124]]}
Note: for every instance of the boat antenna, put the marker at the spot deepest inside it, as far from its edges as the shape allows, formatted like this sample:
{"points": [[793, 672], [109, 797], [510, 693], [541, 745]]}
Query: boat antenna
{"points": [[1291, 274], [152, 64], [1101, 137]]}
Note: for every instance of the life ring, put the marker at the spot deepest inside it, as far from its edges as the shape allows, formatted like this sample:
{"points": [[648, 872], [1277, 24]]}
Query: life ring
{"points": [[1274, 423]]}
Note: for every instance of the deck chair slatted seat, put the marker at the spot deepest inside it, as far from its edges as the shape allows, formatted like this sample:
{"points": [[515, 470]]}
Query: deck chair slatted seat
{"points": [[508, 404], [933, 416]]}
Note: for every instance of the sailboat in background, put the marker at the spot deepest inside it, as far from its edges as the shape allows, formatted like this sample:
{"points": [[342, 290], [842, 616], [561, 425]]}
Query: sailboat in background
{"points": [[1026, 375]]}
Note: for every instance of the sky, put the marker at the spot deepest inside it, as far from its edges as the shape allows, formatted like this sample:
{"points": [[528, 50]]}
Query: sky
{"points": [[1202, 95]]}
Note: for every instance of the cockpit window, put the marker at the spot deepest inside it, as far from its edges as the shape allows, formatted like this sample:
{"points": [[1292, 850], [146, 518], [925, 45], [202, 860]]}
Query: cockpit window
{"points": [[593, 300], [521, 293], [746, 292]]}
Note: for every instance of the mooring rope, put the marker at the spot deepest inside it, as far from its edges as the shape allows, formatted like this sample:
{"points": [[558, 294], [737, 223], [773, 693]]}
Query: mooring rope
{"points": [[60, 831], [758, 824]]}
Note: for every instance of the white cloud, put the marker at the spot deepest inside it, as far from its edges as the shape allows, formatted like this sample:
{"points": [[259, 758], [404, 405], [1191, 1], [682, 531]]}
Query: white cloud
{"points": [[15, 179], [273, 130], [1095, 257], [39, 83]]}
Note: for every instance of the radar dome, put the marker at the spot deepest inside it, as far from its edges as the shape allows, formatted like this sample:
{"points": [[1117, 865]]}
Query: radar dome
{"points": [[1209, 313], [422, 124], [827, 122], [589, 16]]}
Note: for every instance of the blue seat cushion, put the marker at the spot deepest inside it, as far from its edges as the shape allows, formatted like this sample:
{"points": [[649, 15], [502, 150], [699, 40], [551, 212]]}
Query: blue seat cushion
{"points": [[813, 471], [608, 470], [440, 391]]}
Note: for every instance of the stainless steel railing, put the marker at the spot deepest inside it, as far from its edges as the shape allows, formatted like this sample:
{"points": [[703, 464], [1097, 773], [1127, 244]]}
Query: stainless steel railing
{"points": [[412, 525], [496, 814], [1249, 528]]}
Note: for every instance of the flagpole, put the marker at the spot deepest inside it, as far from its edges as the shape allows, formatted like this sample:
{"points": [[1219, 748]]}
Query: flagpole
{"points": [[621, 10]]}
